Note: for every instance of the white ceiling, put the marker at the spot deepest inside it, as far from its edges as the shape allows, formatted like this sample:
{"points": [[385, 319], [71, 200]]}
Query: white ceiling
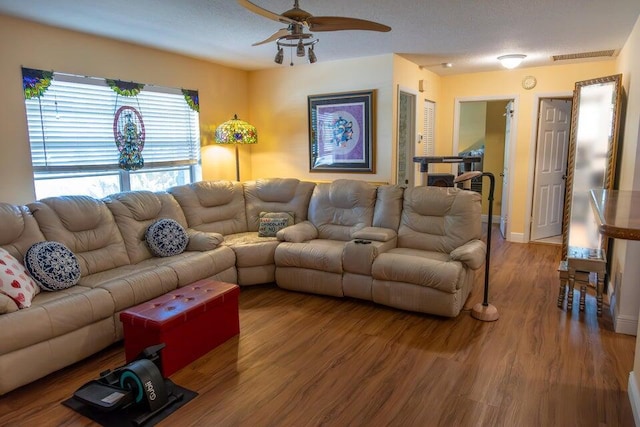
{"points": [[468, 33]]}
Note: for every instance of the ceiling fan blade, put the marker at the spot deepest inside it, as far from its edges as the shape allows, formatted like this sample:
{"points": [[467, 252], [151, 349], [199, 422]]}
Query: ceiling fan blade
{"points": [[338, 23], [275, 36], [264, 12]]}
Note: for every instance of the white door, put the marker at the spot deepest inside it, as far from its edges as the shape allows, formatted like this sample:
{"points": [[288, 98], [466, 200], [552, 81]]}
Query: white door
{"points": [[554, 121], [504, 207]]}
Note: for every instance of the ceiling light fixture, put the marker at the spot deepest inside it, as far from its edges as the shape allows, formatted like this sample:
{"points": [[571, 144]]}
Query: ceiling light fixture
{"points": [[300, 45], [300, 49], [511, 61], [312, 55], [279, 56]]}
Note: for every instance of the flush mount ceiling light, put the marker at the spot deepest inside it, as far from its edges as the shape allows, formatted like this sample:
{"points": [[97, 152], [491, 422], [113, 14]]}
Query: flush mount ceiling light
{"points": [[511, 61]]}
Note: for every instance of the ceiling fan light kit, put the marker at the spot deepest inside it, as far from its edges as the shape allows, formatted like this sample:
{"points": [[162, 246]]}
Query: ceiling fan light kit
{"points": [[297, 19]]}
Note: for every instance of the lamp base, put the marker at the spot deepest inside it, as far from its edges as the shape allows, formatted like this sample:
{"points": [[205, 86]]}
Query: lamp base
{"points": [[486, 313]]}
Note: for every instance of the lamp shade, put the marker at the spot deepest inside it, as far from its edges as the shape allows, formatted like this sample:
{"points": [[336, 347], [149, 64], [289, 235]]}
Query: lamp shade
{"points": [[236, 131]]}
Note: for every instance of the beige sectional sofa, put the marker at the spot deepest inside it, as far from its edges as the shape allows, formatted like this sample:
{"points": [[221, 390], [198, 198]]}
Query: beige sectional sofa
{"points": [[414, 249]]}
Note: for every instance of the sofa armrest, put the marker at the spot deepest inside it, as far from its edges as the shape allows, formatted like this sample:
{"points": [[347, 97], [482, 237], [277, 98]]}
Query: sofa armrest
{"points": [[7, 305], [201, 241], [472, 253], [377, 234], [298, 233]]}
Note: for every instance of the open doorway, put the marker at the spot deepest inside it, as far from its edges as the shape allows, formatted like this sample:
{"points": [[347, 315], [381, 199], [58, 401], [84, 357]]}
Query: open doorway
{"points": [[485, 127]]}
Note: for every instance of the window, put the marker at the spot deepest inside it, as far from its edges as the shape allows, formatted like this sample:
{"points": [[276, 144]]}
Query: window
{"points": [[74, 150]]}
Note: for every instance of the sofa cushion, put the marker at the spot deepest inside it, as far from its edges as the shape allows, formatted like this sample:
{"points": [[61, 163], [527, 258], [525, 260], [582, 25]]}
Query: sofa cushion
{"points": [[18, 229], [52, 265], [276, 195], [84, 225], [15, 282], [166, 237], [419, 267], [318, 254], [54, 314], [8, 305], [213, 206], [439, 219], [135, 211], [340, 208], [201, 241]]}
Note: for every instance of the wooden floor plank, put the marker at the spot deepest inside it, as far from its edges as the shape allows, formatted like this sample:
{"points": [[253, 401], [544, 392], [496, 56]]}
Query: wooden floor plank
{"points": [[308, 360]]}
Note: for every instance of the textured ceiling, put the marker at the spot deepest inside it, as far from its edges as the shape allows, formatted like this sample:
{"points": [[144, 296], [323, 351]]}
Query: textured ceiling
{"points": [[470, 34]]}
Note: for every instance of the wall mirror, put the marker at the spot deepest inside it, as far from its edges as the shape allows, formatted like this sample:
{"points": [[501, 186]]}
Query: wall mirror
{"points": [[591, 158]]}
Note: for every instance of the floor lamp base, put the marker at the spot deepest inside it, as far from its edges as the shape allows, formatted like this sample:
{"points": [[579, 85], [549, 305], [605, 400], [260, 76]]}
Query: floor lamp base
{"points": [[486, 313]]}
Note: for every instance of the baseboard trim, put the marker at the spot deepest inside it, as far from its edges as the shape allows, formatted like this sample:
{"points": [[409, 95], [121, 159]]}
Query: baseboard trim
{"points": [[517, 237], [624, 324], [496, 219], [634, 397]]}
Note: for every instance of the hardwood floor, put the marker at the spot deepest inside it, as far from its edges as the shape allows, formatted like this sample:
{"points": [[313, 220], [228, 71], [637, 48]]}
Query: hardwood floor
{"points": [[305, 360]]}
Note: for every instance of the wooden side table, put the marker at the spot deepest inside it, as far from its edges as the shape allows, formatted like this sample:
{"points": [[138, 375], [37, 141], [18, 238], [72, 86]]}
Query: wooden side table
{"points": [[585, 260]]}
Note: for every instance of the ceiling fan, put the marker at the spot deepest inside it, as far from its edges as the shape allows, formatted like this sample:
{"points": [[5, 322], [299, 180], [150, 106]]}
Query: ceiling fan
{"points": [[298, 19]]}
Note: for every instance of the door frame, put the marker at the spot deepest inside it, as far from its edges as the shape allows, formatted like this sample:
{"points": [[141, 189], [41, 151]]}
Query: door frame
{"points": [[512, 144], [533, 146], [416, 127]]}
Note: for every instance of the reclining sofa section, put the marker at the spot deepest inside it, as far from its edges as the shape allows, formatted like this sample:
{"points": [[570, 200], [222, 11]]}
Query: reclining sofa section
{"points": [[413, 249]]}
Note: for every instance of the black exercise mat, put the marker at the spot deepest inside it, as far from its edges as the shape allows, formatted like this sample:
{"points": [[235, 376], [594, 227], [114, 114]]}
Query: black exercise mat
{"points": [[127, 416]]}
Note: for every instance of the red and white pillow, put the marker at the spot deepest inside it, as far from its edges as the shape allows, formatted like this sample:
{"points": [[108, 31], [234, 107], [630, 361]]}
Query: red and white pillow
{"points": [[15, 282]]}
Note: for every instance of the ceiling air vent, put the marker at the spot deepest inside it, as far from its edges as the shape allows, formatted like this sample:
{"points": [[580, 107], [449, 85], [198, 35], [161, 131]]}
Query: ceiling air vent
{"points": [[584, 55]]}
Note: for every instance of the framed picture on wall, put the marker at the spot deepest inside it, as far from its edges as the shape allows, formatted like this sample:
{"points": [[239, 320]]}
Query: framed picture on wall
{"points": [[341, 132]]}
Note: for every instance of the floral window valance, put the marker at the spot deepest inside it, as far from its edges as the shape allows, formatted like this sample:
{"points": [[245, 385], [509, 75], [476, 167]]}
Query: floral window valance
{"points": [[191, 96], [125, 88], [35, 82]]}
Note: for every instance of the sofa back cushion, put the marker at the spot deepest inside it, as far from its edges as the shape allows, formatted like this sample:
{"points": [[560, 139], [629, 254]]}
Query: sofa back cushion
{"points": [[276, 195], [85, 226], [340, 208], [388, 206], [213, 206], [135, 211], [18, 230], [439, 219]]}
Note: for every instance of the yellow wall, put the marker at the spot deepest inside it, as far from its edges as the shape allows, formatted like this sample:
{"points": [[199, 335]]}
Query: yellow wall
{"points": [[279, 112], [494, 154], [507, 83], [407, 76], [223, 91], [473, 125]]}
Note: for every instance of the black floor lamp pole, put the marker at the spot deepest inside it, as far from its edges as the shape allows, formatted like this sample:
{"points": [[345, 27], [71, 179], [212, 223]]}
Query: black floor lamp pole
{"points": [[486, 311], [483, 311]]}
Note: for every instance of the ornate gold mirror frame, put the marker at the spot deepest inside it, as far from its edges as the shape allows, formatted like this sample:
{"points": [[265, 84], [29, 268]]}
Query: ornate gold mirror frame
{"points": [[591, 163]]}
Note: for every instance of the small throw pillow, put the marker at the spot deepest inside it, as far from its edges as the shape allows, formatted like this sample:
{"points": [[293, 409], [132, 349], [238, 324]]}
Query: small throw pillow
{"points": [[52, 265], [166, 237], [15, 282], [270, 226], [289, 216]]}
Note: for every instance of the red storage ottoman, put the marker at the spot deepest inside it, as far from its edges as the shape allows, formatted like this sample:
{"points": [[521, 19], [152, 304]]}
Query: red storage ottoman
{"points": [[190, 320]]}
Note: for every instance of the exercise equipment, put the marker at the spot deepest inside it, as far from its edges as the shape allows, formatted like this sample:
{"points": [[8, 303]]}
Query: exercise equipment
{"points": [[139, 382]]}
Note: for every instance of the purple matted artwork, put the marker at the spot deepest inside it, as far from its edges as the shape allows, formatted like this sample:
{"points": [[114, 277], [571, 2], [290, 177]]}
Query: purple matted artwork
{"points": [[340, 132]]}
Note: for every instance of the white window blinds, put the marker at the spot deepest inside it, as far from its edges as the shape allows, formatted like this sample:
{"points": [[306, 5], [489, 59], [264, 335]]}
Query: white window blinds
{"points": [[71, 126]]}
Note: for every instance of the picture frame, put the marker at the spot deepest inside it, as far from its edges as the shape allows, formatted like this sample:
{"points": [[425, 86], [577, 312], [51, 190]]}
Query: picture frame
{"points": [[341, 132]]}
